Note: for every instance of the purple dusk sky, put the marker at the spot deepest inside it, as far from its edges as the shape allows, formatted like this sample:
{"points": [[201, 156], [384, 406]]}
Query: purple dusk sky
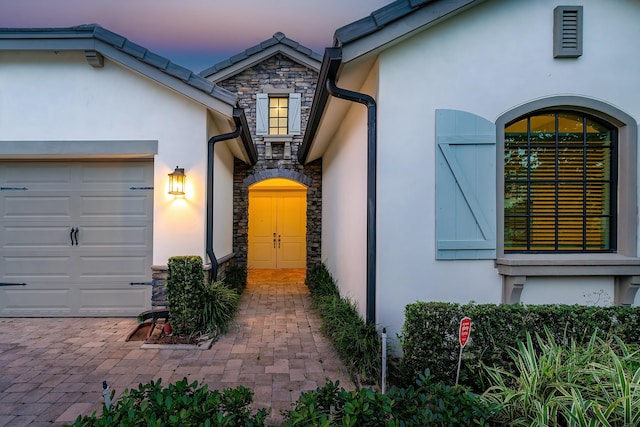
{"points": [[196, 33]]}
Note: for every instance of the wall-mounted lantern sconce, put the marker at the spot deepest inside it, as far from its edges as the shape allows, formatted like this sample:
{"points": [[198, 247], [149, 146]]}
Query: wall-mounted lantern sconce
{"points": [[176, 182]]}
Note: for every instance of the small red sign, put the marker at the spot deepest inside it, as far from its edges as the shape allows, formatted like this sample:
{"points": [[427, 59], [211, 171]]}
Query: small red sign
{"points": [[465, 331]]}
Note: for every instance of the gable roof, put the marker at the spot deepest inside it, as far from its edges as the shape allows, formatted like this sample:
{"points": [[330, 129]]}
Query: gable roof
{"points": [[356, 46], [93, 38], [394, 22], [279, 43]]}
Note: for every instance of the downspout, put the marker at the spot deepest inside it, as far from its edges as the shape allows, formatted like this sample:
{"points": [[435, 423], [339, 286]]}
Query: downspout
{"points": [[370, 103], [241, 125]]}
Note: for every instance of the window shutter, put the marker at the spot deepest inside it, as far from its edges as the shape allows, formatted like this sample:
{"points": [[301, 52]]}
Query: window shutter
{"points": [[567, 32], [465, 186], [294, 113], [262, 114]]}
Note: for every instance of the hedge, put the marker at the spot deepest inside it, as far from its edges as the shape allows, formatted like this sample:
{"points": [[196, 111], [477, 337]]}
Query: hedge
{"points": [[429, 335], [186, 293]]}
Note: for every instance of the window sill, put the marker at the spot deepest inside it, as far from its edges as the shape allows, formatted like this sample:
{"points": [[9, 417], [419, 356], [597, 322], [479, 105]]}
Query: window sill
{"points": [[600, 264], [516, 267], [278, 138]]}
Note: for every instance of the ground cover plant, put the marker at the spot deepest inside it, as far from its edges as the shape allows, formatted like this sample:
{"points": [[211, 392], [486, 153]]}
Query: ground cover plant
{"points": [[426, 404], [358, 344], [179, 404], [568, 384]]}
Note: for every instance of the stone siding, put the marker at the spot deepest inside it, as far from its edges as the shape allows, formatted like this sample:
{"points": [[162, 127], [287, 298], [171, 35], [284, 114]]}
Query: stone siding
{"points": [[277, 72]]}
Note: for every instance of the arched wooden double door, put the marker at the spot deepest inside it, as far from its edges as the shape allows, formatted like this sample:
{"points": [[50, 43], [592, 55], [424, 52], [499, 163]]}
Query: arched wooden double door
{"points": [[277, 224]]}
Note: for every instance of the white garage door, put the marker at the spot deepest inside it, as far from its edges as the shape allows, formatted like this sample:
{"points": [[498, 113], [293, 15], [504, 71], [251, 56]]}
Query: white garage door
{"points": [[75, 238]]}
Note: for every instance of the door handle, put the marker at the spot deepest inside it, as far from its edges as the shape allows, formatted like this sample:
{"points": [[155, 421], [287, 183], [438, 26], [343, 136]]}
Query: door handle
{"points": [[73, 235], [278, 241], [274, 240]]}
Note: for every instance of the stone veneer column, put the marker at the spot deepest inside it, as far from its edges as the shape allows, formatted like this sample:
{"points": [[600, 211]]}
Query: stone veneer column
{"points": [[277, 72]]}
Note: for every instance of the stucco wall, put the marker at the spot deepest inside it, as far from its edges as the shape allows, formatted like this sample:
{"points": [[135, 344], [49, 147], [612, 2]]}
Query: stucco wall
{"points": [[344, 202], [486, 61], [223, 201], [58, 96]]}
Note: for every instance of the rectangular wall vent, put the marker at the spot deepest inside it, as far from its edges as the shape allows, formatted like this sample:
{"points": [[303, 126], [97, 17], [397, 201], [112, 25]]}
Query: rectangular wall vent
{"points": [[567, 32]]}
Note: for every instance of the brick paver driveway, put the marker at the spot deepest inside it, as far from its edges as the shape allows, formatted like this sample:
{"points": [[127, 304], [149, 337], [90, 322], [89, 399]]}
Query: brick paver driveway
{"points": [[51, 370]]}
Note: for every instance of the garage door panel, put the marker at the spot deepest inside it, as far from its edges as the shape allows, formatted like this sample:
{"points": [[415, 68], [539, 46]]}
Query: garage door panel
{"points": [[35, 237], [40, 267], [36, 302], [113, 267], [92, 237], [111, 300], [115, 206], [48, 175], [29, 205], [112, 176]]}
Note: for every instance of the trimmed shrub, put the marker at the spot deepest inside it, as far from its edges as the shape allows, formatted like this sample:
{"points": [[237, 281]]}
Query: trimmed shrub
{"points": [[185, 293], [430, 334], [179, 404]]}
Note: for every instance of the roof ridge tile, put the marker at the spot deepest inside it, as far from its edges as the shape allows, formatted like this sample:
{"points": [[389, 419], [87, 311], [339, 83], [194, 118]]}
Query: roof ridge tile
{"points": [[276, 39]]}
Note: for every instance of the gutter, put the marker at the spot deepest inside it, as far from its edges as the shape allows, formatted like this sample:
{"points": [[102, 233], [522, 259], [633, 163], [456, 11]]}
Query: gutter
{"points": [[242, 130], [331, 64]]}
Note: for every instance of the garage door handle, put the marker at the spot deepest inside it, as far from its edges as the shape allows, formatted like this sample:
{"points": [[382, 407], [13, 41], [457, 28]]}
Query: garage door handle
{"points": [[74, 235], [13, 284]]}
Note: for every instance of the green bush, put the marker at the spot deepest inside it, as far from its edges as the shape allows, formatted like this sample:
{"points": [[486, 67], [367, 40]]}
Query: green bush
{"points": [[220, 304], [179, 404], [357, 342], [320, 282], [429, 335], [185, 293], [235, 276], [593, 384], [428, 404]]}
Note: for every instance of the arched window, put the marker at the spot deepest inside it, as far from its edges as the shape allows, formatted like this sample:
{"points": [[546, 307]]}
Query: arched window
{"points": [[560, 189]]}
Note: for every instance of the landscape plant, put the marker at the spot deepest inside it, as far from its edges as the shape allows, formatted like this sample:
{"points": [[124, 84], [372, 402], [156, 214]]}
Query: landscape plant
{"points": [[235, 276], [357, 343], [186, 293], [426, 404], [197, 306], [179, 404], [429, 336], [568, 384], [219, 306]]}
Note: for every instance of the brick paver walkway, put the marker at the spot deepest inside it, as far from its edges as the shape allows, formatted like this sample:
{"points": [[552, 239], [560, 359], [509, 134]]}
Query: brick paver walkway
{"points": [[51, 370]]}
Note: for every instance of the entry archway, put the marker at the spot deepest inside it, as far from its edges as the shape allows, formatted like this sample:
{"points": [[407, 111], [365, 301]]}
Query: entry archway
{"points": [[277, 224]]}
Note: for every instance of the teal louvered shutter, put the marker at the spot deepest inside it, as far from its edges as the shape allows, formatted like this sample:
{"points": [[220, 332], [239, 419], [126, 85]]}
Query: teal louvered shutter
{"points": [[465, 186], [262, 114], [294, 113]]}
